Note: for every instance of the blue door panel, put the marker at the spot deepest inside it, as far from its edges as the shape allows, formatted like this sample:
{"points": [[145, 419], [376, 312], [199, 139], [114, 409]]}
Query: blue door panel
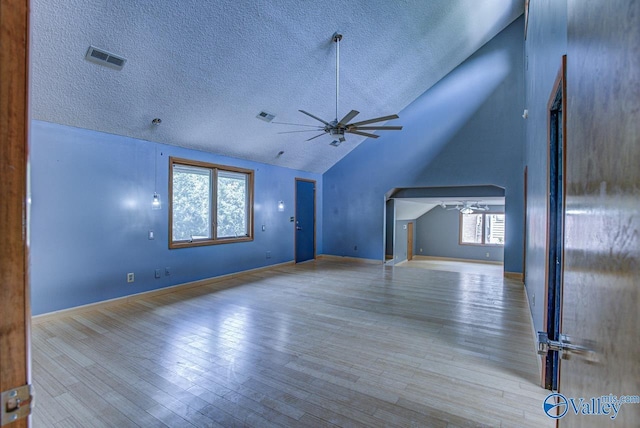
{"points": [[305, 220]]}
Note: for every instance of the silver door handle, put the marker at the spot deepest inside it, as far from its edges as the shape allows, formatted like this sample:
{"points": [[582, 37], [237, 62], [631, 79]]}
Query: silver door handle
{"points": [[565, 347]]}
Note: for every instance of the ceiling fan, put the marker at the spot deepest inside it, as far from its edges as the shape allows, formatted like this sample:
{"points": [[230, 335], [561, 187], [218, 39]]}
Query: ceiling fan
{"points": [[338, 128], [466, 207]]}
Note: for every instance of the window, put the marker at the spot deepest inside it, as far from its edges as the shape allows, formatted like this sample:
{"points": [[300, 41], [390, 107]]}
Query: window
{"points": [[482, 229], [209, 204]]}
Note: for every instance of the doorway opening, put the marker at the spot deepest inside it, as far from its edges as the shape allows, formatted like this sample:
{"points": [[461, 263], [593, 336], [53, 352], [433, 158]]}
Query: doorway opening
{"points": [[427, 222]]}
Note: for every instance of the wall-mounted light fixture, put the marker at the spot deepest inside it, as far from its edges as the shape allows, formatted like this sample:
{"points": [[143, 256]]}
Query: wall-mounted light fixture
{"points": [[155, 203], [281, 206]]}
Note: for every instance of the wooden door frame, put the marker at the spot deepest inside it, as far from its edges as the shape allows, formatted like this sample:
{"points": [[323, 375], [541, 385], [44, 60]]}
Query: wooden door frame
{"points": [[560, 84], [525, 236], [409, 241], [14, 281], [295, 204]]}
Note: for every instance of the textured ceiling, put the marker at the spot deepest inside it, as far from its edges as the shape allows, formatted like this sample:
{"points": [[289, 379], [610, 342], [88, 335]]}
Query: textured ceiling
{"points": [[207, 68]]}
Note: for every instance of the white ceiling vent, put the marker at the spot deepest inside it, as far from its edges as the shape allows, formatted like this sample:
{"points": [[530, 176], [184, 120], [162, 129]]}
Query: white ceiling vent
{"points": [[267, 117], [105, 58]]}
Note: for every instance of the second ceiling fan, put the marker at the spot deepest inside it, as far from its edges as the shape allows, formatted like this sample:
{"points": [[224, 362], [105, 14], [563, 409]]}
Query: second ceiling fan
{"points": [[338, 128]]}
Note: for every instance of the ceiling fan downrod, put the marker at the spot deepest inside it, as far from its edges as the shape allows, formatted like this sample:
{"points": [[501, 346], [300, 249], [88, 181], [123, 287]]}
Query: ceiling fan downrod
{"points": [[336, 38], [338, 128]]}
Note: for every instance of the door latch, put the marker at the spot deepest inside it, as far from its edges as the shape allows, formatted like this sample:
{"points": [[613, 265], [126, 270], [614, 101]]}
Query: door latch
{"points": [[565, 347], [16, 404]]}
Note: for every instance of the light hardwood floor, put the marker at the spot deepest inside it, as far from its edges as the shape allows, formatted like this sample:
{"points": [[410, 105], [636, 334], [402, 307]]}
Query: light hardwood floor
{"points": [[325, 343], [455, 266]]}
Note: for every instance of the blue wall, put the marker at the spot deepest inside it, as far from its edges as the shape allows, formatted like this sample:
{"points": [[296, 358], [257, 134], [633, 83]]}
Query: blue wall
{"points": [[546, 43], [465, 130], [438, 235], [91, 213]]}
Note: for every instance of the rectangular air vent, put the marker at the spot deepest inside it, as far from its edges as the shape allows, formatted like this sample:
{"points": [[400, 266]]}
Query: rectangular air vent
{"points": [[102, 57], [267, 117]]}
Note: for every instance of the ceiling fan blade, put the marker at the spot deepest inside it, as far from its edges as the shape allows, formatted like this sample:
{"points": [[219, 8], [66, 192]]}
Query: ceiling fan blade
{"points": [[298, 124], [316, 118], [319, 135], [366, 134], [292, 132], [377, 128], [377, 119], [348, 117]]}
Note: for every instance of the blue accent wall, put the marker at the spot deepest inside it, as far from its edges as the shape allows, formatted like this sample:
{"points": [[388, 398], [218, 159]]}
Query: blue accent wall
{"points": [[546, 43], [466, 130], [91, 214], [438, 235]]}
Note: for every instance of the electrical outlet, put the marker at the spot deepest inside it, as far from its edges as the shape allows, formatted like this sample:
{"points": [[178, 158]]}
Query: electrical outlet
{"points": [[268, 254], [151, 235], [264, 227], [487, 254], [157, 273], [355, 248], [533, 299], [167, 271], [131, 277]]}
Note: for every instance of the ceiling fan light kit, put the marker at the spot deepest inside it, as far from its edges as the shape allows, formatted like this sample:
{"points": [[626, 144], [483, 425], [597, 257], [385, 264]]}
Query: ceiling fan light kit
{"points": [[338, 128], [467, 207]]}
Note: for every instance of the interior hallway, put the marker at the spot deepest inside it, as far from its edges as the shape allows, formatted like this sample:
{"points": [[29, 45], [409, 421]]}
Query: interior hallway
{"points": [[326, 343]]}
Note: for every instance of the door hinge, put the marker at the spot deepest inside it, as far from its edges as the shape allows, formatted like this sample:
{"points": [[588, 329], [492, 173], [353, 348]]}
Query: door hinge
{"points": [[564, 346], [16, 404]]}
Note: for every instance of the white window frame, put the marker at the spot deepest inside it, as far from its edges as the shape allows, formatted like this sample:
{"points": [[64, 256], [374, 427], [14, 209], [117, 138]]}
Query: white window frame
{"points": [[483, 227]]}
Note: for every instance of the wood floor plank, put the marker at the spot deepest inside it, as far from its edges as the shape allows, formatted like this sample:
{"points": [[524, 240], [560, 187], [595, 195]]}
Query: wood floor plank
{"points": [[325, 343]]}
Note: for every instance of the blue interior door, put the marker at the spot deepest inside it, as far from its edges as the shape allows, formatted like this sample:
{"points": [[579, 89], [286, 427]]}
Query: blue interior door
{"points": [[305, 220]]}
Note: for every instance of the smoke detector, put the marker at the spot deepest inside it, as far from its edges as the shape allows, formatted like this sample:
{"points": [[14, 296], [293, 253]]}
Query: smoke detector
{"points": [[102, 57]]}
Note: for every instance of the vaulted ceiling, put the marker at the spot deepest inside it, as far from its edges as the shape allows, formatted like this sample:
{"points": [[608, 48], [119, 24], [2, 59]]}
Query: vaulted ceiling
{"points": [[207, 68]]}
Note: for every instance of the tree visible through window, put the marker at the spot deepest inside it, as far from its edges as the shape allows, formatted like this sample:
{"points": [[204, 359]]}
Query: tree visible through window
{"points": [[232, 204], [482, 229], [209, 204]]}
